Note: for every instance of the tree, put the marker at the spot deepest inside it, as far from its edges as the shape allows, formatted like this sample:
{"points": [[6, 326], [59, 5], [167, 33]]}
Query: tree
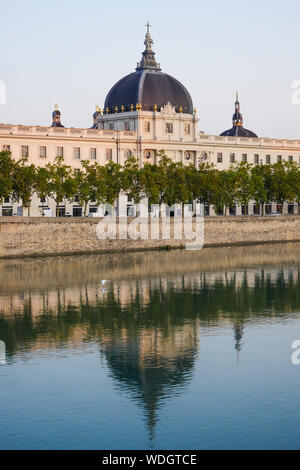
{"points": [[7, 167], [24, 180], [113, 182], [85, 184], [132, 180], [282, 190], [42, 186], [61, 183], [226, 188], [245, 188], [260, 191], [154, 179], [293, 179]]}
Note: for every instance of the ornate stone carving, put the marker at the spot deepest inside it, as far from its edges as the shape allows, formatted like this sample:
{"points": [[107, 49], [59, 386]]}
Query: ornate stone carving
{"points": [[168, 110]]}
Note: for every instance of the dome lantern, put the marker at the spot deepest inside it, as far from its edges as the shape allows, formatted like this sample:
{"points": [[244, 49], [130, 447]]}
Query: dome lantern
{"points": [[238, 129]]}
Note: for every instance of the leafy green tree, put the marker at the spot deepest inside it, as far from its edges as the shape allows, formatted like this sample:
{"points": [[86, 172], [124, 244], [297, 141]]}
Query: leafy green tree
{"points": [[132, 180], [293, 179], [282, 190], [85, 182], [113, 182], [42, 186], [176, 188], [245, 189], [260, 193], [61, 183], [226, 189], [7, 168], [24, 180]]}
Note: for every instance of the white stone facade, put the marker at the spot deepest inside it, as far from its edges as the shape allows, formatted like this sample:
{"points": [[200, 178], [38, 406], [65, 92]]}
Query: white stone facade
{"points": [[141, 134]]}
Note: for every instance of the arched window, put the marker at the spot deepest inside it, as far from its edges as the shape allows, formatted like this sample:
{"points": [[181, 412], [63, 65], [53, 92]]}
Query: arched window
{"points": [[148, 154], [188, 155], [128, 153]]}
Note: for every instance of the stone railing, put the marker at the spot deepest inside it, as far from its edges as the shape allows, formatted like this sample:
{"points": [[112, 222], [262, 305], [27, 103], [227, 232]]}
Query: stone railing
{"points": [[263, 141], [9, 129]]}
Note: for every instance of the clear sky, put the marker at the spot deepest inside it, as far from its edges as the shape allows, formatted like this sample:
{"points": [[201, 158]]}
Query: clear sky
{"points": [[71, 52]]}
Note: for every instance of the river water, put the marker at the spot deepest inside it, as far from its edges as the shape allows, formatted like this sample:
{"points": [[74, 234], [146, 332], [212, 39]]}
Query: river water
{"points": [[175, 350]]}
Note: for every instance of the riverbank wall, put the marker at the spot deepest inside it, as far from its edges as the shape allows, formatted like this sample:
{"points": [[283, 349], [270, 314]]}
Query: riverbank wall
{"points": [[22, 237]]}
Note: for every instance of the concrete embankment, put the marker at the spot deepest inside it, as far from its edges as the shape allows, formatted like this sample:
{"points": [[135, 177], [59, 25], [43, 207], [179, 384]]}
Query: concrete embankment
{"points": [[21, 237]]}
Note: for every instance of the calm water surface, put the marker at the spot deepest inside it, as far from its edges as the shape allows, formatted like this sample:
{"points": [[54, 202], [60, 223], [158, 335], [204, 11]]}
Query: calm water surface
{"points": [[176, 350]]}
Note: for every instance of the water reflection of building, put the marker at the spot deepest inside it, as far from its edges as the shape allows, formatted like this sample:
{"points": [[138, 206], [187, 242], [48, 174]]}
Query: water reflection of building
{"points": [[150, 364], [148, 327], [126, 291]]}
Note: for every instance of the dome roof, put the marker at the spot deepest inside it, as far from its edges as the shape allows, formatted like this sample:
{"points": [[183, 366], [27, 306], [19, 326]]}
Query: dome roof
{"points": [[238, 132], [238, 129], [148, 86]]}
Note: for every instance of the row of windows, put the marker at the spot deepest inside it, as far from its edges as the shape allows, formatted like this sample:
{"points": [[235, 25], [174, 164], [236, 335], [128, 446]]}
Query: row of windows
{"points": [[108, 154], [256, 159], [60, 152], [147, 127], [169, 128]]}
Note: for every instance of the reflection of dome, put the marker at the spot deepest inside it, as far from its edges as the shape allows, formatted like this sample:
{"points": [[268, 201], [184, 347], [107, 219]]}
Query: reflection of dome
{"points": [[148, 86], [150, 365], [237, 129]]}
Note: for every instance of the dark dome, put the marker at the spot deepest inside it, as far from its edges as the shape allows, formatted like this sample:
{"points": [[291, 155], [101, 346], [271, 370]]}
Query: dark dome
{"points": [[148, 88], [238, 131]]}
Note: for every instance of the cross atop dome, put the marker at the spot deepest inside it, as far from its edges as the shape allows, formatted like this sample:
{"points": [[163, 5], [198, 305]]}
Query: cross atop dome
{"points": [[148, 60]]}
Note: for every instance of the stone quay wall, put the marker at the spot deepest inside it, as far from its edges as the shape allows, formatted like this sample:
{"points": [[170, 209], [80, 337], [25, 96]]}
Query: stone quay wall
{"points": [[22, 237]]}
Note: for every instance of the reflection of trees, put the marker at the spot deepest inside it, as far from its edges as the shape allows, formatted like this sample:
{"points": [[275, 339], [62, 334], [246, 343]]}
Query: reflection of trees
{"points": [[150, 347], [167, 310]]}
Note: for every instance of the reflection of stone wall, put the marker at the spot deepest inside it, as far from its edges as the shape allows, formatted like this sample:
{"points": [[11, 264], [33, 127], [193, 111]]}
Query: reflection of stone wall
{"points": [[68, 272], [48, 298], [19, 237]]}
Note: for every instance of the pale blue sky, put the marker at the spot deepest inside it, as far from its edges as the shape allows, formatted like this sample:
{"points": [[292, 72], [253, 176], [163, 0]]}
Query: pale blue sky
{"points": [[71, 52]]}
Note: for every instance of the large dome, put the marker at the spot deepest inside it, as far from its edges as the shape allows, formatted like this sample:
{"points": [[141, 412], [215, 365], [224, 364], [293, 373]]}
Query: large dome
{"points": [[148, 86]]}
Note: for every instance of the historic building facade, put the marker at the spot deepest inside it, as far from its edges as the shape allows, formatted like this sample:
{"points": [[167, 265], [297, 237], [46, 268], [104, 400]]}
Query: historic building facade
{"points": [[144, 112]]}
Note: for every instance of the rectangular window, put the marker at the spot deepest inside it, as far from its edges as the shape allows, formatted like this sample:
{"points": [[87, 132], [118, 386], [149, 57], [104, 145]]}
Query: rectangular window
{"points": [[291, 159], [187, 129], [111, 126], [6, 148], [127, 126], [93, 154], [24, 151], [244, 157], [232, 158], [169, 128], [6, 200], [268, 159], [108, 154], [77, 153], [43, 152], [219, 157], [256, 159], [147, 126], [43, 200], [59, 151], [279, 158]]}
